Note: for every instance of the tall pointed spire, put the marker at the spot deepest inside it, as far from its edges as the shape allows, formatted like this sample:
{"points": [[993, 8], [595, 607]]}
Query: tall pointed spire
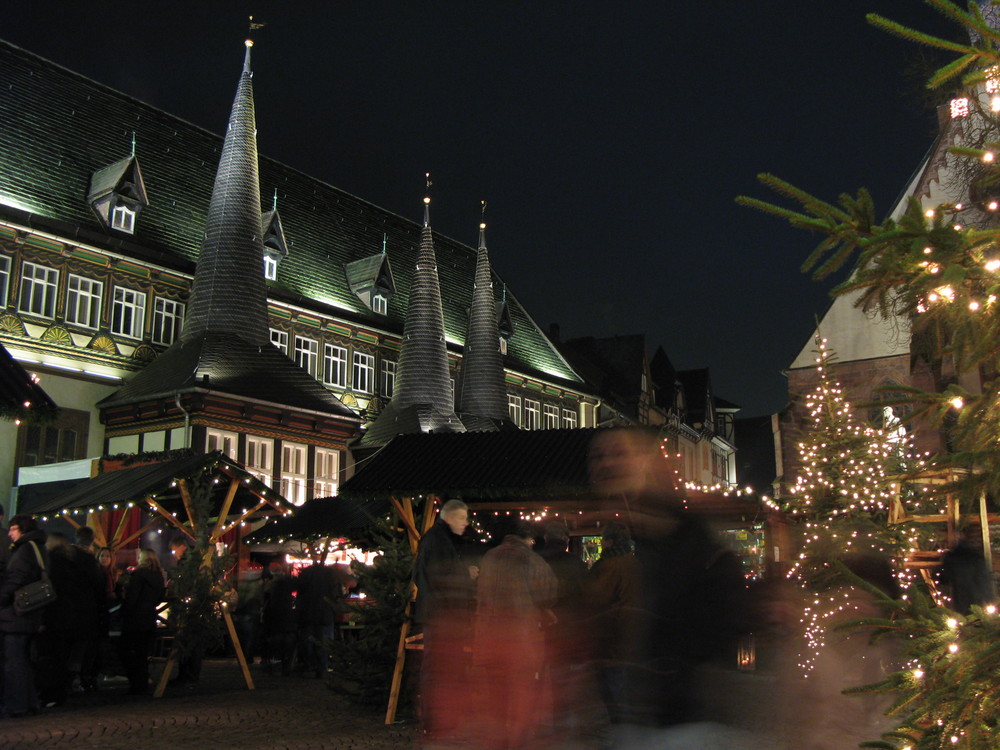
{"points": [[229, 292], [481, 388], [422, 375]]}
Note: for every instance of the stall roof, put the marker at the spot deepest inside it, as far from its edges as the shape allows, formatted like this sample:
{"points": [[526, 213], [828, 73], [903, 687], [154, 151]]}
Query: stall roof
{"points": [[21, 397], [516, 463], [323, 517], [132, 485]]}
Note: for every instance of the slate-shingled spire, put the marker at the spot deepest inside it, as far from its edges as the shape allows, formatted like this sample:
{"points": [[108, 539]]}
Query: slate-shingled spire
{"points": [[481, 388], [422, 399], [229, 292], [224, 346], [422, 375]]}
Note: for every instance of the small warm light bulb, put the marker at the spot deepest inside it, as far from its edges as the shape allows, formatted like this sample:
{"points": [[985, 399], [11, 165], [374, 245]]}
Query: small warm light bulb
{"points": [[973, 306], [988, 157], [951, 622], [958, 402], [993, 205], [992, 265], [929, 213]]}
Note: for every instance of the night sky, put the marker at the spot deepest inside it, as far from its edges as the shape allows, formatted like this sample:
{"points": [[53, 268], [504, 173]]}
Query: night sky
{"points": [[609, 139]]}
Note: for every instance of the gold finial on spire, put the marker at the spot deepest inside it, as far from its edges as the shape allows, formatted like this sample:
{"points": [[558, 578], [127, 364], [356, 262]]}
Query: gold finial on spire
{"points": [[427, 199], [482, 221]]}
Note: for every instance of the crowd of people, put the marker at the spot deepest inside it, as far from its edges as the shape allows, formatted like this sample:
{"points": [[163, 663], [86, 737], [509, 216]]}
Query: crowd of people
{"points": [[519, 642], [65, 647]]}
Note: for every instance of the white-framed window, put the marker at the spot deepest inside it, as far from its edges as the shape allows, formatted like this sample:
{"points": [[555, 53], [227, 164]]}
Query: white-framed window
{"points": [[569, 418], [221, 440], [293, 473], [387, 378], [280, 340], [128, 312], [83, 301], [532, 414], [306, 354], [270, 268], [168, 316], [123, 218], [4, 279], [260, 458], [380, 304], [551, 416], [38, 290], [503, 345], [335, 365], [327, 473], [363, 373], [514, 409]]}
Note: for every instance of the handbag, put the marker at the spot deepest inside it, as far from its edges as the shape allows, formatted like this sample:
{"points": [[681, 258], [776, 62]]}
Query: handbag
{"points": [[36, 594]]}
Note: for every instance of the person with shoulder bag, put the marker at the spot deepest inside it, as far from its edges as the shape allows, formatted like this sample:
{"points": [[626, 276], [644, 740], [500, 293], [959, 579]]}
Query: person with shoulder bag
{"points": [[25, 565]]}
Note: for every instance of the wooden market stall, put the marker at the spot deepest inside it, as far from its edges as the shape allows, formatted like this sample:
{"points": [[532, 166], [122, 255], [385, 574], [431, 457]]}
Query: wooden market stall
{"points": [[115, 502], [535, 474]]}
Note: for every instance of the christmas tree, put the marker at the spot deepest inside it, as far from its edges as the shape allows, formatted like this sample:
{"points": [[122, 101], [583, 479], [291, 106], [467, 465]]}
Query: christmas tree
{"points": [[936, 267]]}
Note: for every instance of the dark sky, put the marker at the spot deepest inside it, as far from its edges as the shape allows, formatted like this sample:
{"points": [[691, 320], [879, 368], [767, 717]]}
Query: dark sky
{"points": [[609, 139]]}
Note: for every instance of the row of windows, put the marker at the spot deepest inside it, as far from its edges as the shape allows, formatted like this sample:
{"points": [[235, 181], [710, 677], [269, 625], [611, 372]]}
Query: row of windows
{"points": [[293, 476], [332, 370], [531, 416], [84, 300]]}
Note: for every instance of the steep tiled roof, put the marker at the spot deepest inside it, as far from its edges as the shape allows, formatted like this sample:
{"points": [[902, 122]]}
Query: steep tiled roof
{"points": [[218, 362], [57, 128], [481, 390], [229, 292]]}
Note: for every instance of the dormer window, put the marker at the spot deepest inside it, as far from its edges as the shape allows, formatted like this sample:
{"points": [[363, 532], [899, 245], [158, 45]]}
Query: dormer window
{"points": [[371, 280], [123, 218], [117, 195], [270, 267], [503, 345], [275, 246]]}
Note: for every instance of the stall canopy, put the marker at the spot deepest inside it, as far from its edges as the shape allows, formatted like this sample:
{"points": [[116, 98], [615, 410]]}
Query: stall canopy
{"points": [[322, 518], [162, 488], [21, 397], [526, 464]]}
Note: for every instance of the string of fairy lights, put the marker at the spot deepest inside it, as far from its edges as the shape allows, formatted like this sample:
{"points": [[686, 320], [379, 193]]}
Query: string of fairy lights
{"points": [[843, 495]]}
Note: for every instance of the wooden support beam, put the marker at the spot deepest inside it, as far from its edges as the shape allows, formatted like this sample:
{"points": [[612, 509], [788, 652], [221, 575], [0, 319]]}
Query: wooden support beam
{"points": [[170, 518], [186, 498], [117, 544], [240, 657], [227, 504], [397, 672]]}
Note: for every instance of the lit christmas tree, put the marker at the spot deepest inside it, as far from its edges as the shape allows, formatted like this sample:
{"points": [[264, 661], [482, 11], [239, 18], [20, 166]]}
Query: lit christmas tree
{"points": [[938, 268], [848, 477]]}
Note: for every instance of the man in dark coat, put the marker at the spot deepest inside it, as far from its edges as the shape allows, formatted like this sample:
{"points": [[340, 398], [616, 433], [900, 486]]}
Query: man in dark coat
{"points": [[446, 584], [27, 544]]}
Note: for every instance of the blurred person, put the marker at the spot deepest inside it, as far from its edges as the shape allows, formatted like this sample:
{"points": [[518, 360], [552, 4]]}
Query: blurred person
{"points": [[446, 586], [70, 624], [565, 650], [278, 618], [515, 593], [247, 611], [143, 593], [85, 655], [691, 606], [19, 630], [318, 587], [966, 574], [614, 593]]}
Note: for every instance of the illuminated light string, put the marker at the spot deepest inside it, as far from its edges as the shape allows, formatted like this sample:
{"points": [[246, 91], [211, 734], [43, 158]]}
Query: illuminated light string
{"points": [[842, 496]]}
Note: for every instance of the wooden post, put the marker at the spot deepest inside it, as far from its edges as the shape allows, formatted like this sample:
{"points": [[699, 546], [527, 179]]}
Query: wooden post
{"points": [[404, 507], [240, 657]]}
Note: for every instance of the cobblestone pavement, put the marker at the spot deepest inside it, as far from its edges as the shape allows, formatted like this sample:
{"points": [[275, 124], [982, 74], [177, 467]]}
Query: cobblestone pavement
{"points": [[283, 713]]}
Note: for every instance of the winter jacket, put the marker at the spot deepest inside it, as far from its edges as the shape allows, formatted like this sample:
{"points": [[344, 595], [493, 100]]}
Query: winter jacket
{"points": [[143, 593], [22, 568]]}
